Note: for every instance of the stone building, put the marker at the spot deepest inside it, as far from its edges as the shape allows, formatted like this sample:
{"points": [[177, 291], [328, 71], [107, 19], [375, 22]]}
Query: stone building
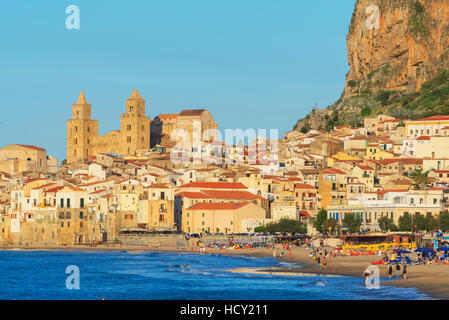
{"points": [[199, 125], [18, 158], [83, 139]]}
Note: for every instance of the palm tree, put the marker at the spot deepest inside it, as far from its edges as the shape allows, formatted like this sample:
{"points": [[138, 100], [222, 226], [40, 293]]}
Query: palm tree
{"points": [[420, 178]]}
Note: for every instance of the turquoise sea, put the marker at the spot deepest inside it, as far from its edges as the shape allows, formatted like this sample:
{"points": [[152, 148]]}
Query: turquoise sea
{"points": [[154, 275]]}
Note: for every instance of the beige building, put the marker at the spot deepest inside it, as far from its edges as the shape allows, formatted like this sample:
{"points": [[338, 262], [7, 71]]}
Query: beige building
{"points": [[224, 218], [195, 125], [17, 158]]}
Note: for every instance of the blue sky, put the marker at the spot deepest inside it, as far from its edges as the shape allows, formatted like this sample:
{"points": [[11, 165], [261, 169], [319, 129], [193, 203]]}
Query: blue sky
{"points": [[253, 64]]}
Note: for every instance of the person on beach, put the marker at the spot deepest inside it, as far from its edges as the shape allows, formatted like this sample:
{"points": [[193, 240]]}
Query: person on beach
{"points": [[390, 271], [404, 271], [318, 263], [398, 268]]}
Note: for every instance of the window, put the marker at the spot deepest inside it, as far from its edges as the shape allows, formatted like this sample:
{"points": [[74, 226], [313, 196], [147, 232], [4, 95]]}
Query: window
{"points": [[68, 203], [129, 139], [62, 203], [68, 215], [82, 202], [81, 215]]}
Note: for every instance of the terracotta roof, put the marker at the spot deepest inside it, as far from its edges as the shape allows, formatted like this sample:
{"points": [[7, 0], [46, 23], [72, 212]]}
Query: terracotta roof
{"points": [[54, 189], [435, 118], [191, 195], [218, 206], [365, 168], [98, 191], [167, 115], [232, 195], [303, 186], [214, 185], [31, 147], [188, 113], [423, 138]]}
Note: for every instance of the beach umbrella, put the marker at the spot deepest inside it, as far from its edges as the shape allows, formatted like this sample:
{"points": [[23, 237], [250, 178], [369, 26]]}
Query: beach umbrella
{"points": [[402, 251], [424, 250], [445, 248]]}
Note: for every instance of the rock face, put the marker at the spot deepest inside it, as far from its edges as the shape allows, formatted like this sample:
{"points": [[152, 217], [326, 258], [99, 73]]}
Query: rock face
{"points": [[399, 63], [405, 49]]}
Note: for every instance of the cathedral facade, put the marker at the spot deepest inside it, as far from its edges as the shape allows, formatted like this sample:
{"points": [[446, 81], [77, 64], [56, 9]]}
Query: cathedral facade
{"points": [[83, 139]]}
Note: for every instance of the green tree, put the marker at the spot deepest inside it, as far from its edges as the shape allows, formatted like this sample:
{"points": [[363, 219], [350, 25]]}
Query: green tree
{"points": [[64, 162], [420, 178], [443, 221], [387, 224], [260, 229], [420, 222], [431, 222], [330, 225], [352, 222], [383, 97], [287, 226], [319, 220], [405, 222], [366, 111]]}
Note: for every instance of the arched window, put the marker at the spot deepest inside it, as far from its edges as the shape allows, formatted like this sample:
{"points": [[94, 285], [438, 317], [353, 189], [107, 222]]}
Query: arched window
{"points": [[67, 215]]}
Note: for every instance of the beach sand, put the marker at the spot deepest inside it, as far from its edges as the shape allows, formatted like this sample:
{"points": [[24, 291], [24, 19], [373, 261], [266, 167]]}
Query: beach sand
{"points": [[433, 280]]}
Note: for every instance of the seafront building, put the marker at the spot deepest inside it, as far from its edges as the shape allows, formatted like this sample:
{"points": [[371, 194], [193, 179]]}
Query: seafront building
{"points": [[130, 180]]}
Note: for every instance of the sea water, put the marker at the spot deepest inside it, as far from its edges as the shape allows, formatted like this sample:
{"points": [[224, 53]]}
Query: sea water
{"points": [[158, 275]]}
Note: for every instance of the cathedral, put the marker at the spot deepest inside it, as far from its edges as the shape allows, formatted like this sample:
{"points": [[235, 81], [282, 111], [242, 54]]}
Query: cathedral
{"points": [[82, 132]]}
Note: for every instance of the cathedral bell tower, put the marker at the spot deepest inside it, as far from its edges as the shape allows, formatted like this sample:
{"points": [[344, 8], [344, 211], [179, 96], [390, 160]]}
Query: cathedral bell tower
{"points": [[81, 130], [135, 126]]}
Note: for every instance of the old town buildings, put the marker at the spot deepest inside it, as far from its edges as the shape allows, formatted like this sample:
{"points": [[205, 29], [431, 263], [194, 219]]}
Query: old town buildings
{"points": [[131, 181]]}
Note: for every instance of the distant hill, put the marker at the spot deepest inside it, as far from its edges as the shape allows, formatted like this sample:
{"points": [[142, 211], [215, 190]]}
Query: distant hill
{"points": [[400, 69]]}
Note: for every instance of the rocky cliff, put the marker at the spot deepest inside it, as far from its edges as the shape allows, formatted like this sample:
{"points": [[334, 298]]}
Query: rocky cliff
{"points": [[396, 62]]}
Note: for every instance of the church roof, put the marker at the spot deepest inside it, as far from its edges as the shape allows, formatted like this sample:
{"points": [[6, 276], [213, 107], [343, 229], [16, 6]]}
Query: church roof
{"points": [[135, 95], [82, 98]]}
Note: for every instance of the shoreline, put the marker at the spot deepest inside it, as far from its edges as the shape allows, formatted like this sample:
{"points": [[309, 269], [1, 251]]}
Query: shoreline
{"points": [[432, 280]]}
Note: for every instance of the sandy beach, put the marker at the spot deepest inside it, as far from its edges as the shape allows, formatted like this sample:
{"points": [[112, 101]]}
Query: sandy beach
{"points": [[432, 280]]}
